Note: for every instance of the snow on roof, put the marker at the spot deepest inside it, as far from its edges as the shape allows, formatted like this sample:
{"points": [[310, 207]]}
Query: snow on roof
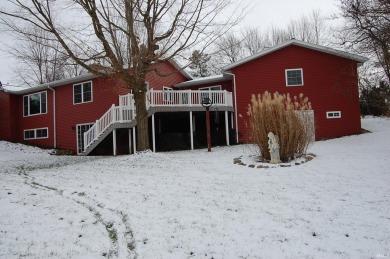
{"points": [[13, 88], [204, 80], [303, 44]]}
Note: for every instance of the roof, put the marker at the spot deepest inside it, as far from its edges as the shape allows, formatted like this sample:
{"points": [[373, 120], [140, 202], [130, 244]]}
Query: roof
{"points": [[358, 58], [25, 90], [204, 80], [75, 79]]}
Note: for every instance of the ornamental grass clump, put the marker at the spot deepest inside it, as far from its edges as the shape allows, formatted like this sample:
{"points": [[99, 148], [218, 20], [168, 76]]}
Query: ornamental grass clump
{"points": [[291, 119]]}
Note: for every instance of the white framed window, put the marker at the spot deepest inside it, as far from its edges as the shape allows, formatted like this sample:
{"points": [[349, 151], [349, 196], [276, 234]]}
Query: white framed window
{"points": [[81, 128], [333, 115], [211, 88], [36, 133], [82, 92], [35, 104], [167, 94], [214, 97], [294, 77]]}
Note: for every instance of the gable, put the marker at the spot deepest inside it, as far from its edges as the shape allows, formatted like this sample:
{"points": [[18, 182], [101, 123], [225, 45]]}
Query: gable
{"points": [[305, 45]]}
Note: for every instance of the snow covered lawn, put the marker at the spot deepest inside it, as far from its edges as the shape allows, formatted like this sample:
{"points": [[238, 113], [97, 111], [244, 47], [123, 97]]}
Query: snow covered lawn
{"points": [[195, 204]]}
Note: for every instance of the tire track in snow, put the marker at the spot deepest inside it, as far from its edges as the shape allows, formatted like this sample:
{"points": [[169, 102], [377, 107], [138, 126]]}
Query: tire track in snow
{"points": [[116, 222]]}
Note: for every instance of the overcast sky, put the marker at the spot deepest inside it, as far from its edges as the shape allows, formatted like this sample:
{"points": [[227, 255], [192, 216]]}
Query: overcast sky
{"points": [[264, 14]]}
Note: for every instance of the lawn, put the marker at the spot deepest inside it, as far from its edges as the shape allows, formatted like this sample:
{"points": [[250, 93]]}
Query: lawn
{"points": [[195, 204]]}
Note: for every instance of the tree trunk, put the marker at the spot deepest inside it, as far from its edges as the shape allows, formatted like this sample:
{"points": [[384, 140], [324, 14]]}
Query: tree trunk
{"points": [[142, 119]]}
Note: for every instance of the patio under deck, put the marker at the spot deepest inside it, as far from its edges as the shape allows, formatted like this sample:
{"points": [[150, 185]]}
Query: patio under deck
{"points": [[124, 115]]}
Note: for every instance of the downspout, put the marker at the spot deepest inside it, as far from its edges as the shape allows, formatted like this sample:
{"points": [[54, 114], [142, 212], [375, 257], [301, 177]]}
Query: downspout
{"points": [[235, 102], [54, 117]]}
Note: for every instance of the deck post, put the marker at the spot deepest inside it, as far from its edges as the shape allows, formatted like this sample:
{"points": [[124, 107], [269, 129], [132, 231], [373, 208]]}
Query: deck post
{"points": [[96, 130], [153, 134], [113, 113], [227, 127], [114, 141], [191, 131], [129, 141], [134, 141]]}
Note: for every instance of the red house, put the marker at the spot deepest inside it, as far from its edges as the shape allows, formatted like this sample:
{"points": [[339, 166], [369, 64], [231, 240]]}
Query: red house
{"points": [[92, 115]]}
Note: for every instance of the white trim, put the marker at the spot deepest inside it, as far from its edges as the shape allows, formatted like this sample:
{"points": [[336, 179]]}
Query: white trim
{"points": [[293, 69], [40, 106], [77, 135], [358, 58], [54, 117], [82, 92], [35, 133], [333, 115], [209, 88]]}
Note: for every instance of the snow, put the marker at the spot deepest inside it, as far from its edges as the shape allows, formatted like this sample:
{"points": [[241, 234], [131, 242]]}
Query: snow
{"points": [[195, 204]]}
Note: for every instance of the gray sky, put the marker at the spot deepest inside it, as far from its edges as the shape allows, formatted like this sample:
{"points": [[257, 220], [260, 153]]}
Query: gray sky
{"points": [[263, 15]]}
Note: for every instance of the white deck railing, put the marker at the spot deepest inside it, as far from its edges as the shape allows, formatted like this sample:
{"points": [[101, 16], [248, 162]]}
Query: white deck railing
{"points": [[126, 112], [187, 98]]}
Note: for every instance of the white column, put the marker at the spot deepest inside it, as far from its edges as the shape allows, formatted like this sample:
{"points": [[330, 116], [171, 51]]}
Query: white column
{"points": [[114, 141], [134, 141], [129, 141], [191, 132], [153, 134], [227, 127]]}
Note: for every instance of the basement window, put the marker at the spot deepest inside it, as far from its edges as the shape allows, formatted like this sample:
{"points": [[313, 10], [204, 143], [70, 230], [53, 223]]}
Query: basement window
{"points": [[35, 104], [333, 115], [82, 93], [294, 77], [36, 133]]}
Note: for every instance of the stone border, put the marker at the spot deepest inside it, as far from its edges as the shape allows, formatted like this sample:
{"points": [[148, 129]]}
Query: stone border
{"points": [[264, 165]]}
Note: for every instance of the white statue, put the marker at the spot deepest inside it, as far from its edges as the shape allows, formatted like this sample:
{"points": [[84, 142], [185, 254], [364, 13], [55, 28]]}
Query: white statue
{"points": [[273, 146]]}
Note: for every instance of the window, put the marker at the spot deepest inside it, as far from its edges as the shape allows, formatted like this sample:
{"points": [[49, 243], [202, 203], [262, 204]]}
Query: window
{"points": [[167, 94], [211, 88], [333, 115], [294, 77], [81, 128], [215, 97], [82, 93], [35, 104], [36, 133]]}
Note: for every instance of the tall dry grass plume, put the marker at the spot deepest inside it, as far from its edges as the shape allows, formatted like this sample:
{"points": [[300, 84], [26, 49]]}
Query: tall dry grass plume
{"points": [[290, 118]]}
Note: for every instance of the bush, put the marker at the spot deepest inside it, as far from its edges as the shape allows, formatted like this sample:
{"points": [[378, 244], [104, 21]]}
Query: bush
{"points": [[375, 100], [290, 119]]}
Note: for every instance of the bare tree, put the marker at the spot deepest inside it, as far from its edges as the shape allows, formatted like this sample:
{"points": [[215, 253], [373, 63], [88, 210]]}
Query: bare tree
{"points": [[254, 41], [229, 48], [368, 29], [124, 34], [39, 58]]}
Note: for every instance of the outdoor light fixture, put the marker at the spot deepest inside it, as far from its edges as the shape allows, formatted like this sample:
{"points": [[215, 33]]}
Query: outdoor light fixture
{"points": [[207, 102]]}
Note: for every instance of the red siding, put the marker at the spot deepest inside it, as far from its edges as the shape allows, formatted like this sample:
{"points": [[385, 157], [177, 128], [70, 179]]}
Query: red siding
{"points": [[225, 85], [34, 122], [330, 82], [164, 74], [5, 113], [68, 115]]}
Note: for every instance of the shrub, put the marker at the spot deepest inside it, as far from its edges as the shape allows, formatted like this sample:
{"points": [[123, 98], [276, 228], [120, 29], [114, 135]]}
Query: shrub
{"points": [[290, 119]]}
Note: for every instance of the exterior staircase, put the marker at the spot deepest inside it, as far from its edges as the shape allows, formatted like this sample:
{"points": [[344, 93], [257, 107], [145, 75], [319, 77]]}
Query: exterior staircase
{"points": [[122, 116]]}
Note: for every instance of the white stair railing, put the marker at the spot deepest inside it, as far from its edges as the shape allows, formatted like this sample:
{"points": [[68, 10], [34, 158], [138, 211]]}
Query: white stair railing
{"points": [[113, 115]]}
